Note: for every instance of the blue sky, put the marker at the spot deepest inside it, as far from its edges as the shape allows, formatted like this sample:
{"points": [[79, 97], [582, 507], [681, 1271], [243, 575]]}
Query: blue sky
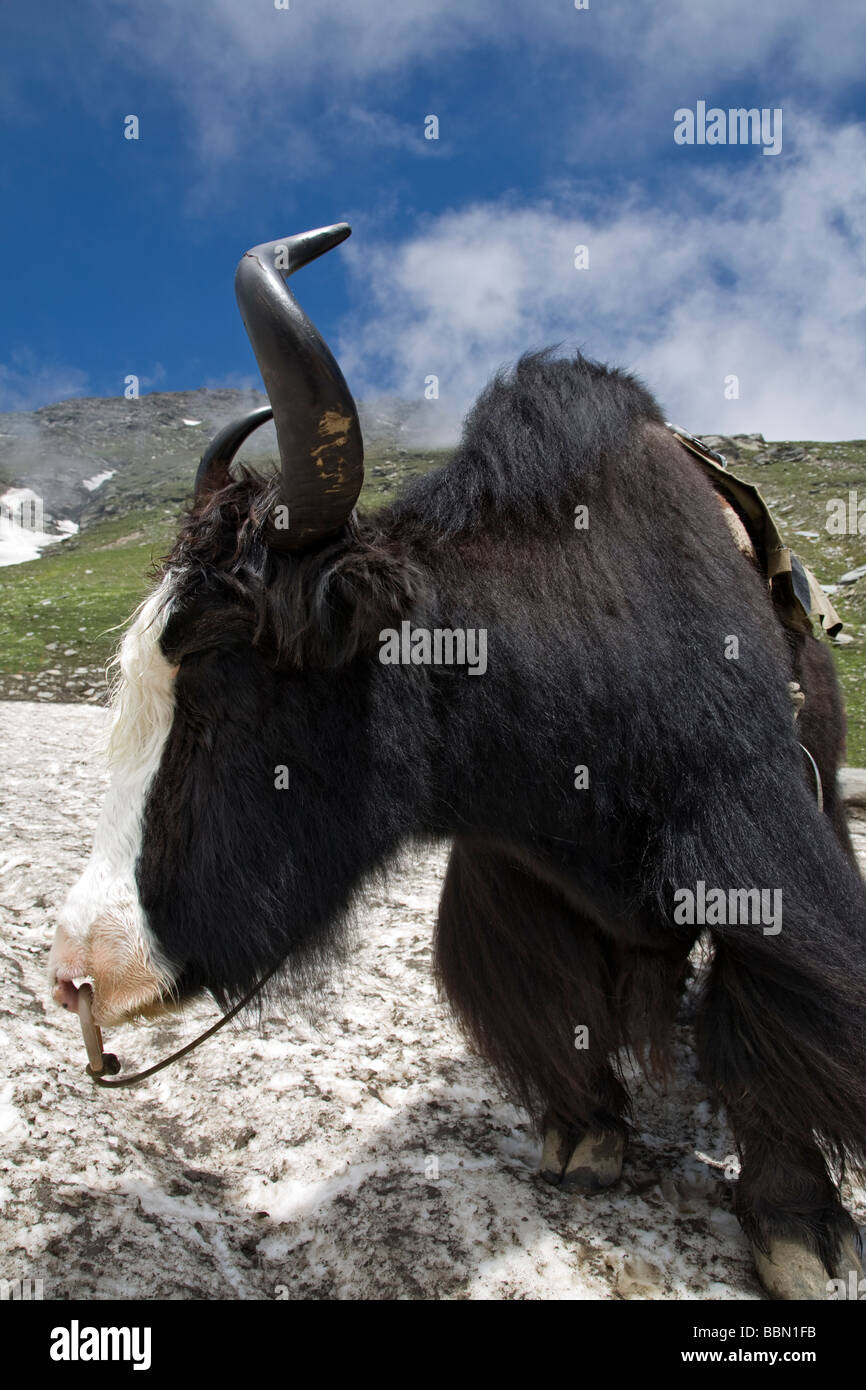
{"points": [[556, 129]]}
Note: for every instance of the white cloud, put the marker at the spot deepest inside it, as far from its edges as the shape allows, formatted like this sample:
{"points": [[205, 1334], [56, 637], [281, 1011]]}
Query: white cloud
{"points": [[26, 385], [766, 280], [290, 79], [295, 77], [715, 42], [367, 38]]}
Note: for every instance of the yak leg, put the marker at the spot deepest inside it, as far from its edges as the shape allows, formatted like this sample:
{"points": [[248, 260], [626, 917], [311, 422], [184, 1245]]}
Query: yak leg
{"points": [[648, 987], [532, 986], [587, 1157], [783, 1192], [786, 1200]]}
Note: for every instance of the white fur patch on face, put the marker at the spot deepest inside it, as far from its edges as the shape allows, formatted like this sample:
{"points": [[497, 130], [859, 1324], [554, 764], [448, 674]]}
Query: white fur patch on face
{"points": [[102, 933]]}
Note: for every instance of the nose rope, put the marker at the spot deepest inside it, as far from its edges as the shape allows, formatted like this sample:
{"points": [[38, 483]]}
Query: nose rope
{"points": [[103, 1065]]}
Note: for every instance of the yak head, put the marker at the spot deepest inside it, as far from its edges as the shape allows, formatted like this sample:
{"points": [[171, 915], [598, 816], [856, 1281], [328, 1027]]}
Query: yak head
{"points": [[226, 842]]}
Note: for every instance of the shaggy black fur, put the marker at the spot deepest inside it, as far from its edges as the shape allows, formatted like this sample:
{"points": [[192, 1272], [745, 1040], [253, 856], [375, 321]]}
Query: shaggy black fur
{"points": [[606, 648]]}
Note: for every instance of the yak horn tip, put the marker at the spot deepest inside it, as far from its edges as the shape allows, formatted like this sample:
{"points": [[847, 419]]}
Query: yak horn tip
{"points": [[290, 253]]}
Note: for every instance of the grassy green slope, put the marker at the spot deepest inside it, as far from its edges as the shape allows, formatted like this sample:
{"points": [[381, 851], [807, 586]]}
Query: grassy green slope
{"points": [[59, 614]]}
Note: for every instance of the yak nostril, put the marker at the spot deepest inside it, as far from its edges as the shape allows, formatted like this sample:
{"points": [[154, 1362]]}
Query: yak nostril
{"points": [[65, 993]]}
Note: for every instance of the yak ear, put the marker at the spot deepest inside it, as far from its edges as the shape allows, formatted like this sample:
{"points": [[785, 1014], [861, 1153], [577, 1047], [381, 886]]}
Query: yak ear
{"points": [[343, 602], [369, 589]]}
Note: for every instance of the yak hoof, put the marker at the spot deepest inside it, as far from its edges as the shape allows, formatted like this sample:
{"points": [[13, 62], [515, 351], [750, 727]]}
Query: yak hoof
{"points": [[592, 1164], [790, 1270]]}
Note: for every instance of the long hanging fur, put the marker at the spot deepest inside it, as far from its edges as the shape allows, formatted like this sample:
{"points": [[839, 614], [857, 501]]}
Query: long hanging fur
{"points": [[606, 648]]}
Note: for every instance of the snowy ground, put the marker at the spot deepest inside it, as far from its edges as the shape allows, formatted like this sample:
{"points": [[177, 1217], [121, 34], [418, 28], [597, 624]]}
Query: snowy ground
{"points": [[21, 538], [367, 1157]]}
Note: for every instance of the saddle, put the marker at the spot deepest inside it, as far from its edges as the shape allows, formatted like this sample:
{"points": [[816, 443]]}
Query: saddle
{"points": [[798, 596]]}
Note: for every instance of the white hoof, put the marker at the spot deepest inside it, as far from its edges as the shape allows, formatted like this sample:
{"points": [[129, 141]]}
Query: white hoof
{"points": [[793, 1271], [589, 1166]]}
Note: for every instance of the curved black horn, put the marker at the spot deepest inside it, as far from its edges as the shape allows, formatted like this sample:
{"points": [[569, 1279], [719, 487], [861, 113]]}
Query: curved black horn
{"points": [[318, 432], [213, 471]]}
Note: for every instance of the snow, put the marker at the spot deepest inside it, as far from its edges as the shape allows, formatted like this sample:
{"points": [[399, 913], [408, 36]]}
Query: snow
{"points": [[20, 543], [12, 1128], [364, 1153], [92, 484]]}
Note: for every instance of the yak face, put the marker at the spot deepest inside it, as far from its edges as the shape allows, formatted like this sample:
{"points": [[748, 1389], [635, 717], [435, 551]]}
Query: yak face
{"points": [[102, 932], [234, 829], [197, 751]]}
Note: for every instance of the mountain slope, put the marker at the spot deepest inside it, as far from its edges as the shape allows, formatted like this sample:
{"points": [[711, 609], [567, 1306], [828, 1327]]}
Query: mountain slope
{"points": [[122, 470]]}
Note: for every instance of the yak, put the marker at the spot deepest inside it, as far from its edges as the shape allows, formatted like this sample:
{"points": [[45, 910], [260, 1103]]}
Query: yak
{"points": [[268, 758]]}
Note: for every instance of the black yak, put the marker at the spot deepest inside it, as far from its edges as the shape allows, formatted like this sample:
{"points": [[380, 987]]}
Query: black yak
{"points": [[297, 701]]}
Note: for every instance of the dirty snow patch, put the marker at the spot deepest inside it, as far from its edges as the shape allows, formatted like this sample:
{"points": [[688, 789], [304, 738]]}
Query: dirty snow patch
{"points": [[98, 479]]}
